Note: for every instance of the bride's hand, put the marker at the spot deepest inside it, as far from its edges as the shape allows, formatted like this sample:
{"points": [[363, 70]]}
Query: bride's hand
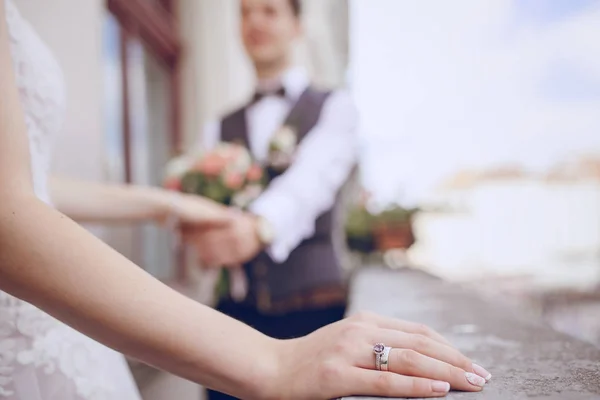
{"points": [[338, 361], [197, 211]]}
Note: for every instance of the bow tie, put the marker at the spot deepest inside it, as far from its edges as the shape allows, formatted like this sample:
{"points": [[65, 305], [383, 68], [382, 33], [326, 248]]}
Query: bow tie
{"points": [[259, 95]]}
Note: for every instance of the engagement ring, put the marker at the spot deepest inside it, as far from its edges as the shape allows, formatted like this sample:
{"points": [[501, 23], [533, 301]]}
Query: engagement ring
{"points": [[382, 353]]}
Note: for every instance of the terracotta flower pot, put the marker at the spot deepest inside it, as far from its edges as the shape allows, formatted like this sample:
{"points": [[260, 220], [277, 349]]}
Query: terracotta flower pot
{"points": [[394, 235]]}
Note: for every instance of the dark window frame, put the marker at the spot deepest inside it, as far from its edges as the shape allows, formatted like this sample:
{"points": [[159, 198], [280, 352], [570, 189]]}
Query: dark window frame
{"points": [[156, 25]]}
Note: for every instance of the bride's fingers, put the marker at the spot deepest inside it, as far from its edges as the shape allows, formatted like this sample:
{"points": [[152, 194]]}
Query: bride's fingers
{"points": [[406, 361], [363, 382], [427, 347], [419, 344], [400, 325], [412, 363]]}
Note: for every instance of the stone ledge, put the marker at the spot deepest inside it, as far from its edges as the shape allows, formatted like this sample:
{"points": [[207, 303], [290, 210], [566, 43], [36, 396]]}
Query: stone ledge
{"points": [[528, 359]]}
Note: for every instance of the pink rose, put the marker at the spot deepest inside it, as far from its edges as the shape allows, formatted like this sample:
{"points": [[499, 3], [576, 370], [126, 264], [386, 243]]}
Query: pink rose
{"points": [[234, 180], [235, 153], [173, 184], [229, 152], [211, 165], [255, 173]]}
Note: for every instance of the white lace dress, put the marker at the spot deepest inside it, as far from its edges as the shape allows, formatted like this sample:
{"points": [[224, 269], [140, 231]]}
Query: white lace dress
{"points": [[41, 358]]}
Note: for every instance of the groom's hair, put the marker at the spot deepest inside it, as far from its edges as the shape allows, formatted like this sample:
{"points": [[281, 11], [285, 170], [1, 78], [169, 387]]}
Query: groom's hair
{"points": [[296, 7]]}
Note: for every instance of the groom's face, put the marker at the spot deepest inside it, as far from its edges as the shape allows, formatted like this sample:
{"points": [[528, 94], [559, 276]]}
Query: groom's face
{"points": [[269, 28]]}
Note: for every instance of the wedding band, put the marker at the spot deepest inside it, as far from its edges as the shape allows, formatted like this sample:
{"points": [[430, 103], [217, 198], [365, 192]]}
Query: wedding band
{"points": [[384, 357]]}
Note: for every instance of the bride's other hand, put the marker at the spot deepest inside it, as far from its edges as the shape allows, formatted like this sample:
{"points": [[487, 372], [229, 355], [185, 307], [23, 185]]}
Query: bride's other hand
{"points": [[339, 361], [197, 212], [109, 203]]}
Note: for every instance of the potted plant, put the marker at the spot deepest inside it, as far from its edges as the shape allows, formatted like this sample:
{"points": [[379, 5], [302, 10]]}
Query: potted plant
{"points": [[392, 228], [359, 230]]}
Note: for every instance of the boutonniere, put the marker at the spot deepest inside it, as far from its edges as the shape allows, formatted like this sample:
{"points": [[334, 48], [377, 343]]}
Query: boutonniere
{"points": [[282, 148]]}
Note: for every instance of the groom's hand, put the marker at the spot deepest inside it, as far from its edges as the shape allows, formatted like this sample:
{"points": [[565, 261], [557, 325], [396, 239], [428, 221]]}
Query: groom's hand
{"points": [[230, 245]]}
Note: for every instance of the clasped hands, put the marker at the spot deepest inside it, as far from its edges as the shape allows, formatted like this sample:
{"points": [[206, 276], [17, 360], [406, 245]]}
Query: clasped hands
{"points": [[222, 236], [228, 245]]}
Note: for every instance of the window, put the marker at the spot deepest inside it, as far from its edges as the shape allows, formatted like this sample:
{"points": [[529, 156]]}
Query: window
{"points": [[142, 53]]}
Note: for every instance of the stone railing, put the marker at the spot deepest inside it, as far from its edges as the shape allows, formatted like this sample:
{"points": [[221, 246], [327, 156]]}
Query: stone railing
{"points": [[527, 358]]}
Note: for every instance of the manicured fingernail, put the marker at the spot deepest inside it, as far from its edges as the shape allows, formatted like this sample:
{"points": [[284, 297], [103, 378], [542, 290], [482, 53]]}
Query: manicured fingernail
{"points": [[475, 380], [440, 387], [482, 372]]}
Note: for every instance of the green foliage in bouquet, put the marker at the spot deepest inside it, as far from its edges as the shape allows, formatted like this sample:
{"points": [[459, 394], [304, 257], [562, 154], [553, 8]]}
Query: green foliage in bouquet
{"points": [[213, 187], [228, 175]]}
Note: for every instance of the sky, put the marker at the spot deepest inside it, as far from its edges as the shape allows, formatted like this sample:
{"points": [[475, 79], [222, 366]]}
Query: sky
{"points": [[449, 85]]}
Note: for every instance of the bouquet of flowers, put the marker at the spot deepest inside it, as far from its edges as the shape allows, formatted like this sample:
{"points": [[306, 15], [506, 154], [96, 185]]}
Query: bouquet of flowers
{"points": [[227, 175]]}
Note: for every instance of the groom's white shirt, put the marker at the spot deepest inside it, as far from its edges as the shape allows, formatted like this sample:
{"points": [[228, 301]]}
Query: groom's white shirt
{"points": [[324, 160]]}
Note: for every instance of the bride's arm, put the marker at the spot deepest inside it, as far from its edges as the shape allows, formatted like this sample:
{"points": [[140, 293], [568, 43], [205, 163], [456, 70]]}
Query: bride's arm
{"points": [[102, 202], [119, 203], [48, 260]]}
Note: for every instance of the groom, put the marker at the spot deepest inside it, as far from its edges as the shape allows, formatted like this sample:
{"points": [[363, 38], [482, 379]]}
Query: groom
{"points": [[306, 138]]}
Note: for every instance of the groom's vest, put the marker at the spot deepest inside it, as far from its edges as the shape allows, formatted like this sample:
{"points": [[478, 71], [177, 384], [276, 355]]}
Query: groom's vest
{"points": [[312, 276]]}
